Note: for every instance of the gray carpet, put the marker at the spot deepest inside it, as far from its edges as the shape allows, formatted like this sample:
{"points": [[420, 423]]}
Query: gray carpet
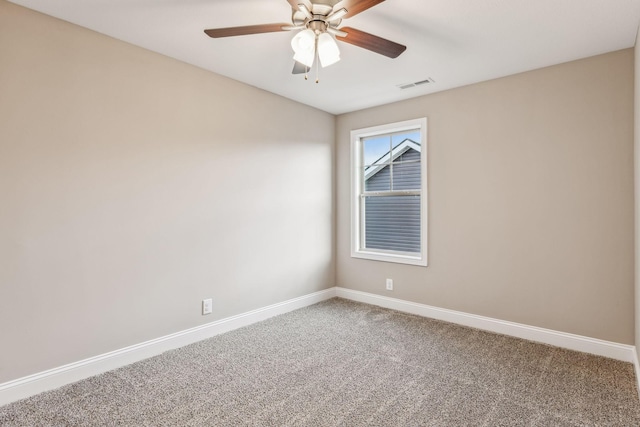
{"points": [[340, 363]]}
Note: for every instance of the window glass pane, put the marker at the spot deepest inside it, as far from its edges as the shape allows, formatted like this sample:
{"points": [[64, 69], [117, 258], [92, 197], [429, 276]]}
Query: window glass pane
{"points": [[406, 173], [377, 171], [374, 150], [395, 148], [400, 139], [377, 178], [396, 140], [392, 223]]}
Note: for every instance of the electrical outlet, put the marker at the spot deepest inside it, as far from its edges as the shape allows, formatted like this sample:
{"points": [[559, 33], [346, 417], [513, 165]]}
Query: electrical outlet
{"points": [[207, 306], [389, 284]]}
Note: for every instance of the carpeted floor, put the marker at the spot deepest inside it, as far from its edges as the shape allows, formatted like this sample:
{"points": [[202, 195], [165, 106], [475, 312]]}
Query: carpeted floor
{"points": [[340, 363]]}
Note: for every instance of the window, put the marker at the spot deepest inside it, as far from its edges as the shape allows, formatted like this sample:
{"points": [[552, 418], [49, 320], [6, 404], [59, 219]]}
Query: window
{"points": [[389, 192]]}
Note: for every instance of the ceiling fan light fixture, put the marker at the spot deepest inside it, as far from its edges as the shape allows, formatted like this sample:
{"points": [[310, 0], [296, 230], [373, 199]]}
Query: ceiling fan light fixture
{"points": [[328, 50], [304, 46], [304, 41], [305, 58]]}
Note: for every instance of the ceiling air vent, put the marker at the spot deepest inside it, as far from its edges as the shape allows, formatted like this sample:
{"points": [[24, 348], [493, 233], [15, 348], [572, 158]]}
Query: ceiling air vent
{"points": [[414, 84]]}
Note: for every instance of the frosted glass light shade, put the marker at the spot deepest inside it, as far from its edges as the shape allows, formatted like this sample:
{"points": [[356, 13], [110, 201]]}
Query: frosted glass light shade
{"points": [[304, 46], [305, 58], [303, 41], [328, 50]]}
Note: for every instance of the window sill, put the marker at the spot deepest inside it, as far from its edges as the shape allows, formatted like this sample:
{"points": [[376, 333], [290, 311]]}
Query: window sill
{"points": [[419, 259]]}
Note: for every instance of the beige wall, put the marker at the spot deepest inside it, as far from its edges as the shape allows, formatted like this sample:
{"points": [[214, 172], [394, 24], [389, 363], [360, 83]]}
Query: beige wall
{"points": [[530, 199], [637, 189], [132, 186]]}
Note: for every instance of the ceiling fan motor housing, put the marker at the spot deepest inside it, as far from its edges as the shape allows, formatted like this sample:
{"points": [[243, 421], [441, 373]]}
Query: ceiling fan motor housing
{"points": [[320, 11], [317, 25]]}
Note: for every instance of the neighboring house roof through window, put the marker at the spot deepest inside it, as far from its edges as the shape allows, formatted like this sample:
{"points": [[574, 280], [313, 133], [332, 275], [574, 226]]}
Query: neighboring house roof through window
{"points": [[390, 156]]}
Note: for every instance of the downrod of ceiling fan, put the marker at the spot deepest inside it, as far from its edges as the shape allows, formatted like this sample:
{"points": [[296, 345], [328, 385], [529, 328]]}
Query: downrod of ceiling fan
{"points": [[318, 26]]}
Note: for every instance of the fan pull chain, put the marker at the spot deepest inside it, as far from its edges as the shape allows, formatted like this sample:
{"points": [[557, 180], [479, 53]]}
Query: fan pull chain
{"points": [[317, 62]]}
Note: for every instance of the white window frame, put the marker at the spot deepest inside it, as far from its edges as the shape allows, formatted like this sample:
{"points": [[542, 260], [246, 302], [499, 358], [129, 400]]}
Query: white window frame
{"points": [[357, 185]]}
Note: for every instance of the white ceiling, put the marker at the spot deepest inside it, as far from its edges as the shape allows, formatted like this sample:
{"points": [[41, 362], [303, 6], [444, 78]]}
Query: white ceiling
{"points": [[454, 42]]}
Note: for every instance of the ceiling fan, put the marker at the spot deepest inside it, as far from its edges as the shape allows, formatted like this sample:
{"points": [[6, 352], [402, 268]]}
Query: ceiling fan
{"points": [[317, 22]]}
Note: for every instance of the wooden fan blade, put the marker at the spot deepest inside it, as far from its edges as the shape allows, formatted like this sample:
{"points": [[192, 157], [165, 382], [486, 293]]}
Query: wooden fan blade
{"points": [[373, 43], [355, 6], [243, 31], [299, 68]]}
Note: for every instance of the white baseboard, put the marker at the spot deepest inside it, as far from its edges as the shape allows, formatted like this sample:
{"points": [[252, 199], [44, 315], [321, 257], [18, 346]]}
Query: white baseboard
{"points": [[57, 377], [584, 344]]}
